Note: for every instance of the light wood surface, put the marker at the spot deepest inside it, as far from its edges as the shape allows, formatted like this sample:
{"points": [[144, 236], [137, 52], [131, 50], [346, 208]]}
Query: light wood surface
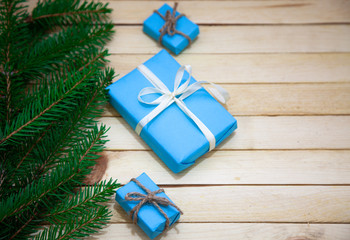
{"points": [[256, 204], [285, 173], [235, 12], [244, 39], [254, 68], [242, 167], [239, 12], [257, 132], [285, 99], [237, 231]]}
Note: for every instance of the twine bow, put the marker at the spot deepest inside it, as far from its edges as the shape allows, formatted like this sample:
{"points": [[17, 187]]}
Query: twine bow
{"points": [[169, 26], [151, 198]]}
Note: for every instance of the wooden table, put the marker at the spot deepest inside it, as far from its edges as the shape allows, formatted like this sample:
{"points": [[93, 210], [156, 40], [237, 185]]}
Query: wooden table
{"points": [[285, 173]]}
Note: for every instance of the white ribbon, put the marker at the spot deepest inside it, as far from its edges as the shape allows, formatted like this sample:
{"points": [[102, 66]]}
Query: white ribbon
{"points": [[178, 95]]}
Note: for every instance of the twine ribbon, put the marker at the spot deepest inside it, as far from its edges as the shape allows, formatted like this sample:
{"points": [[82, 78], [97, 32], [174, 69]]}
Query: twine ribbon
{"points": [[169, 26], [181, 91], [151, 198]]}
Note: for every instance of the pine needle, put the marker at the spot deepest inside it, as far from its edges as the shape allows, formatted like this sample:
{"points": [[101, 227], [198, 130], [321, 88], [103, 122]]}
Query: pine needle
{"points": [[52, 88]]}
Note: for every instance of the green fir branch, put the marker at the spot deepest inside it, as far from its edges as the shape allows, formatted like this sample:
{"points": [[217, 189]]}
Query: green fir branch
{"points": [[36, 116], [90, 197], [52, 87], [62, 12], [59, 139], [13, 38], [81, 227], [60, 48], [27, 227], [67, 172]]}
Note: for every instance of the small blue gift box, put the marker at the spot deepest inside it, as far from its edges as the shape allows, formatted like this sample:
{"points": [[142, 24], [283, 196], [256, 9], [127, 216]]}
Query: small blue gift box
{"points": [[149, 218], [176, 43], [172, 134]]}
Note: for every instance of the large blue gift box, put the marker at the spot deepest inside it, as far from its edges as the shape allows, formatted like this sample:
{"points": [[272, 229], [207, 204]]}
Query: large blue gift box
{"points": [[172, 135], [149, 218], [177, 42]]}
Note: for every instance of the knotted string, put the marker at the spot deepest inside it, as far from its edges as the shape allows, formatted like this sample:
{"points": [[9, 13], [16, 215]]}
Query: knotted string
{"points": [[169, 26], [151, 198]]}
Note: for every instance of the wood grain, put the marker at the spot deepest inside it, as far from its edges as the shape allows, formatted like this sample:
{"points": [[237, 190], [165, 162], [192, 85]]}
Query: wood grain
{"points": [[237, 231], [284, 132], [283, 99], [239, 12], [256, 204], [243, 39], [236, 12], [237, 167], [253, 68], [277, 57]]}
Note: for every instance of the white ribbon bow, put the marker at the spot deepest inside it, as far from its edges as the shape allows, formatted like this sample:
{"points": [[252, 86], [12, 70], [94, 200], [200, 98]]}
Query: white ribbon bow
{"points": [[178, 95]]}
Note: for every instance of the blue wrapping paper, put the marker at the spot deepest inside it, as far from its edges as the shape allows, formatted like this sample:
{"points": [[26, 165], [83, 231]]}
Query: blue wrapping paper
{"points": [[149, 219], [175, 43], [172, 135]]}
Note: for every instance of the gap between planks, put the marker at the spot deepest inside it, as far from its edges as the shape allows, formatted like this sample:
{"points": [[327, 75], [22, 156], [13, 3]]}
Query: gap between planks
{"points": [[243, 39], [253, 68], [258, 222], [255, 132], [282, 99], [236, 12], [254, 204], [237, 231], [276, 92], [297, 167]]}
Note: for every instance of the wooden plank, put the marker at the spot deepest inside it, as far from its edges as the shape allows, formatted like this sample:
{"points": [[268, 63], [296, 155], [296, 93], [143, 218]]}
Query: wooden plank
{"points": [[236, 12], [283, 99], [254, 68], [243, 39], [292, 132], [256, 204], [237, 167], [237, 231], [239, 12]]}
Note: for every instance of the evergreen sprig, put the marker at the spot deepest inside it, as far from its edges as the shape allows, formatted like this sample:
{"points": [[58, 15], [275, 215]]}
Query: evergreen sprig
{"points": [[78, 227], [53, 13], [52, 87]]}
